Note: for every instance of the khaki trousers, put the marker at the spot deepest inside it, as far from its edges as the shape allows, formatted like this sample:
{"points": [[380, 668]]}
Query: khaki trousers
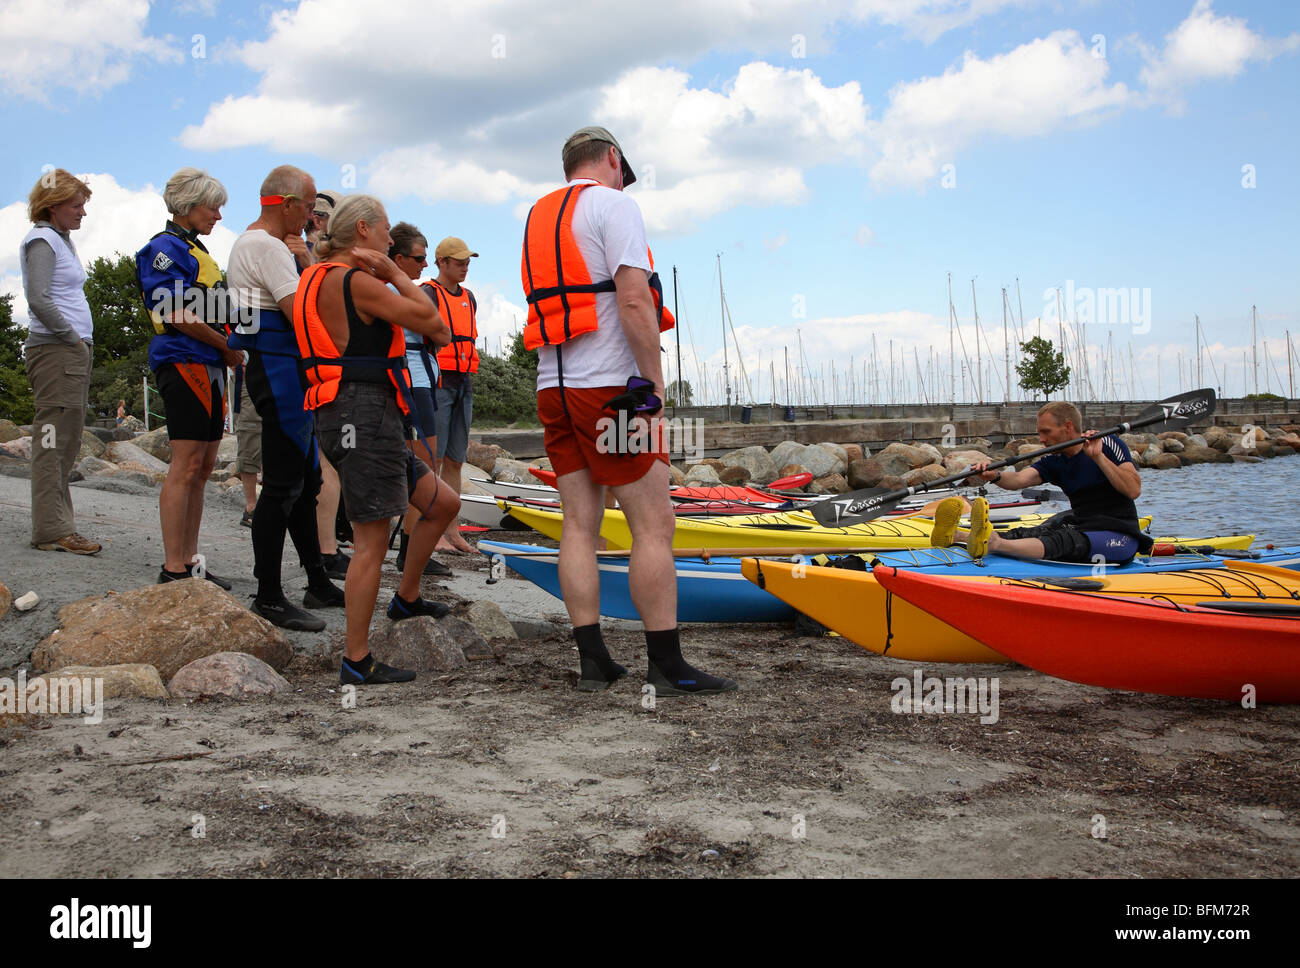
{"points": [[60, 379]]}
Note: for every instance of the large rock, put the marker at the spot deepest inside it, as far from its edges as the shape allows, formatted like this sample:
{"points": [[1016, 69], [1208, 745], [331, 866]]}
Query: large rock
{"points": [[792, 470], [509, 471], [866, 472], [91, 445], [1177, 435], [734, 475], [227, 450], [129, 680], [489, 621], [93, 466], [786, 452], [836, 451], [830, 484], [6, 599], [702, 474], [1260, 450], [1167, 461], [675, 475], [915, 456], [20, 447], [483, 455], [1195, 439], [854, 452], [234, 675], [1193, 454], [755, 460], [9, 431], [924, 475], [125, 452], [819, 461], [936, 457], [156, 443], [1150, 455], [426, 644], [1283, 450], [956, 461], [1245, 459], [167, 626], [1172, 445], [132, 425], [892, 464]]}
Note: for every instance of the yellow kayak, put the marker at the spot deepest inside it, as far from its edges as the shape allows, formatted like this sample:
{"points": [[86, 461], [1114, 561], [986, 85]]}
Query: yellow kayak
{"points": [[784, 529], [856, 606]]}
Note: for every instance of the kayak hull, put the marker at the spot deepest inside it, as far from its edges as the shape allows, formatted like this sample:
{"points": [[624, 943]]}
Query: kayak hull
{"points": [[856, 605], [713, 591], [1118, 643]]}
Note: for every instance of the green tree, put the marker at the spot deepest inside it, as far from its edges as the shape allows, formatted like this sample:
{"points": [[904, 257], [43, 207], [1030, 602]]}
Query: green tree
{"points": [[1042, 367], [526, 359], [122, 334], [15, 391], [686, 397], [505, 392]]}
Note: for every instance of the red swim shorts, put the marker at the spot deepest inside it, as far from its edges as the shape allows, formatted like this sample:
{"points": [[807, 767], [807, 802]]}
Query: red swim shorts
{"points": [[581, 433]]}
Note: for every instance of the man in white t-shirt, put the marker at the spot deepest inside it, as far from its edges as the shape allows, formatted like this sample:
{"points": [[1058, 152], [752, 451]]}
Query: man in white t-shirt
{"points": [[595, 314], [263, 280]]}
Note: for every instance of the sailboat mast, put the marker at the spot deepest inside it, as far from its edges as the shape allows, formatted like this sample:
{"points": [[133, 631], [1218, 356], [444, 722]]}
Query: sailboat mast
{"points": [[1254, 349], [722, 308], [677, 397], [979, 363], [952, 351], [1006, 348]]}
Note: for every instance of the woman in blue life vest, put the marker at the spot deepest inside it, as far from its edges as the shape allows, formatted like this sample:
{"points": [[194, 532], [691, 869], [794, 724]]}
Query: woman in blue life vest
{"points": [[185, 293]]}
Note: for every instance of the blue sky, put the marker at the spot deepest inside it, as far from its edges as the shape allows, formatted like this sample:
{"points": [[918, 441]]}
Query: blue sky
{"points": [[843, 157]]}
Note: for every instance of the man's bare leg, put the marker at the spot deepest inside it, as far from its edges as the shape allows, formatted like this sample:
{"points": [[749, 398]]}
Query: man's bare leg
{"points": [[1015, 547], [652, 582], [584, 505]]}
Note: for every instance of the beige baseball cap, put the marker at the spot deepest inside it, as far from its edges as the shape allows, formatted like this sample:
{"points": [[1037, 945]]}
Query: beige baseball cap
{"points": [[325, 202], [597, 133], [453, 248]]}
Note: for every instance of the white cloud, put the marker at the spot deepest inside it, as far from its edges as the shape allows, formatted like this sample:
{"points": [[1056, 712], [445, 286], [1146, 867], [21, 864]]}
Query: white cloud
{"points": [[1029, 91], [46, 44], [421, 171], [118, 220], [1206, 47], [930, 19]]}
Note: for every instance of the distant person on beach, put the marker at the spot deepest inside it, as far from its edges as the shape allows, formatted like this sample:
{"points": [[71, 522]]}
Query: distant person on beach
{"points": [[595, 311], [121, 412], [58, 354], [349, 325], [457, 364], [1097, 475], [410, 253], [263, 280], [185, 293]]}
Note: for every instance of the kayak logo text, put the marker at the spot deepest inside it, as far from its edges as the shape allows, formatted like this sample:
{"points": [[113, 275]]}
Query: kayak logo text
{"points": [[932, 695], [73, 922], [653, 435], [55, 696]]}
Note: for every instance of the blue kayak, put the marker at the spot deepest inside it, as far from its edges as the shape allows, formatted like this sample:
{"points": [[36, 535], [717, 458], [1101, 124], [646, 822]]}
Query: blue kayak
{"points": [[716, 591]]}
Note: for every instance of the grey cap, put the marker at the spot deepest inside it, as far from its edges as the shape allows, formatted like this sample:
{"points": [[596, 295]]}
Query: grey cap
{"points": [[597, 133]]}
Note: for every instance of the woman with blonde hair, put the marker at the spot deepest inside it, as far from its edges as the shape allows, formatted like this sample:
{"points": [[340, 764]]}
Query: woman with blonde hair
{"points": [[185, 293], [58, 353], [348, 323]]}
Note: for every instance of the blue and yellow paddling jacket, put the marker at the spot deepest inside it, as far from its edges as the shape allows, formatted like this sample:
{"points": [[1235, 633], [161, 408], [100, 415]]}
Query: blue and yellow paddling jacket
{"points": [[175, 272]]}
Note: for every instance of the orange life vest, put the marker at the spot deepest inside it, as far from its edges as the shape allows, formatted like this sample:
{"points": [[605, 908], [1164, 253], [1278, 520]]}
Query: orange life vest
{"points": [[321, 359], [561, 296], [461, 314]]}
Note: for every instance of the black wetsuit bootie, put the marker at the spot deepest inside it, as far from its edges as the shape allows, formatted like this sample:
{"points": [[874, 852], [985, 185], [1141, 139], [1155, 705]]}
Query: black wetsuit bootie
{"points": [[672, 675], [598, 670]]}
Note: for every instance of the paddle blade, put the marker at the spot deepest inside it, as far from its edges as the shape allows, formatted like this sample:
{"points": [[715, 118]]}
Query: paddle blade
{"points": [[1177, 411], [856, 507]]}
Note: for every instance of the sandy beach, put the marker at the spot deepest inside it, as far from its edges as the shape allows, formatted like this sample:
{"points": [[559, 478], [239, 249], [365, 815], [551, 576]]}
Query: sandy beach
{"points": [[506, 770]]}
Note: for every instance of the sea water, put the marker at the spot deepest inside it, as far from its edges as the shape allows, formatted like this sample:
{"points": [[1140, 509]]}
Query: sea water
{"points": [[1205, 499]]}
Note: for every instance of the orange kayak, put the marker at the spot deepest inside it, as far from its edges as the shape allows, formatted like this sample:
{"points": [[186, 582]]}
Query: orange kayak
{"points": [[1237, 649]]}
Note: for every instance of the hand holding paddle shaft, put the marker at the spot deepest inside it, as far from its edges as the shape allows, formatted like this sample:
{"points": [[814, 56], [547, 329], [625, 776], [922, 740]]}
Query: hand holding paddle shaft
{"points": [[864, 505]]}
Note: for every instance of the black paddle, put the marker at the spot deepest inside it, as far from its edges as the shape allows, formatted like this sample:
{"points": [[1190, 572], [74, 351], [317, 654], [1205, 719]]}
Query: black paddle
{"points": [[858, 506]]}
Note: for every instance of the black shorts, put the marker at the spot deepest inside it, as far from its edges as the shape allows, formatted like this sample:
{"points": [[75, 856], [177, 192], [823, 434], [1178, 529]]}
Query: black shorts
{"points": [[361, 433], [195, 408], [1061, 542]]}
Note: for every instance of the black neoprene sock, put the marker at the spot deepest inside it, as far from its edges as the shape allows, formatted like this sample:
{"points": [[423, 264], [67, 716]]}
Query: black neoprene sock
{"points": [[664, 648], [594, 657], [318, 577]]}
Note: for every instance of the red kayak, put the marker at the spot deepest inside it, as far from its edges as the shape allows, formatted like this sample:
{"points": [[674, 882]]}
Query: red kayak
{"points": [[1237, 648]]}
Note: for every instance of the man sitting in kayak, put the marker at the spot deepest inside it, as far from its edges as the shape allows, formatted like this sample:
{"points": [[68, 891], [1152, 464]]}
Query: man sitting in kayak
{"points": [[1097, 475]]}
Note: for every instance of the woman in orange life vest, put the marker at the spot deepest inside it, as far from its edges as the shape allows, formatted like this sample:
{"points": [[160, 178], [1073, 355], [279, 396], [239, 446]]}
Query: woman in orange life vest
{"points": [[345, 311]]}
